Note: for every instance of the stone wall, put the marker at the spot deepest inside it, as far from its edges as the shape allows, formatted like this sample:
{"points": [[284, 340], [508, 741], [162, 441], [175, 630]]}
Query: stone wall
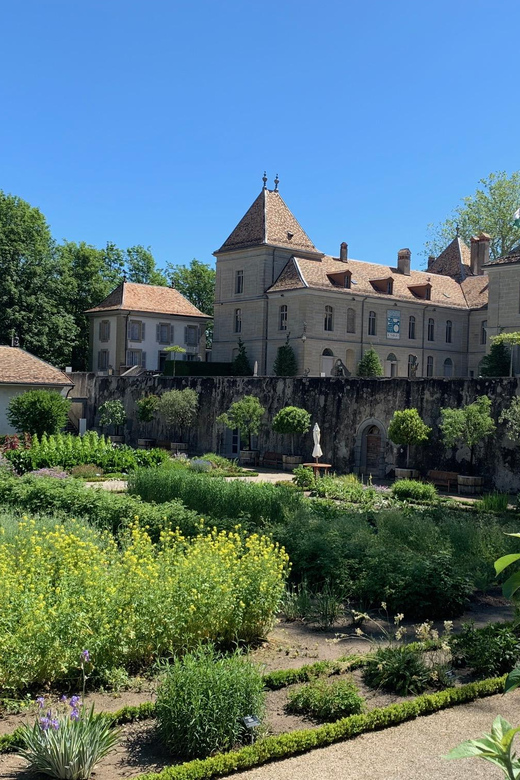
{"points": [[343, 408]]}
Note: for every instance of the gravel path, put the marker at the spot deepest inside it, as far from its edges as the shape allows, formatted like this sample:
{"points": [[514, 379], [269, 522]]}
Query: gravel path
{"points": [[411, 751]]}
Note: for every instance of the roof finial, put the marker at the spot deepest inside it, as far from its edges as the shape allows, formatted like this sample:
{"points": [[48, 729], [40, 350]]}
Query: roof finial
{"points": [[276, 183], [457, 230], [124, 276], [264, 179]]}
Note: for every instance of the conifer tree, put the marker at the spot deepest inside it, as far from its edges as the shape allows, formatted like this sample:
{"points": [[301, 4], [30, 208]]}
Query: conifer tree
{"points": [[497, 362], [285, 363], [370, 365], [241, 365]]}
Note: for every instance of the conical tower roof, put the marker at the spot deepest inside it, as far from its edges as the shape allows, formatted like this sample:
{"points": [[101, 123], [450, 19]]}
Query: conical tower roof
{"points": [[270, 222], [454, 261]]}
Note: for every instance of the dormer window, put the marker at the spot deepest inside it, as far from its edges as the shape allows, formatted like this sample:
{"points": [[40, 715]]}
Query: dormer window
{"points": [[385, 286], [423, 291], [341, 279]]}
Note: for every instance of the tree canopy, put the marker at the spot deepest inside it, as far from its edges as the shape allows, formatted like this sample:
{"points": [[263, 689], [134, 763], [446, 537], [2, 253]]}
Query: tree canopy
{"points": [[370, 365], [468, 425], [38, 412], [490, 209], [285, 363]]}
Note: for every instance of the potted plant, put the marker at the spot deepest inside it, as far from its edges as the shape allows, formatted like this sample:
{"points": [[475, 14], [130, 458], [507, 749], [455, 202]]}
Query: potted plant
{"points": [[468, 426], [246, 415], [178, 408], [294, 421], [112, 413], [146, 410], [406, 428]]}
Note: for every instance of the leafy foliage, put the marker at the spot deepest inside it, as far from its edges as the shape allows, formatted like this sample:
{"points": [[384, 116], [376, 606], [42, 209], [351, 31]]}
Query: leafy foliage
{"points": [[495, 747], [147, 407], [241, 365], [246, 415], [469, 425], [326, 701], [498, 361], [411, 488], [38, 412], [196, 282], [511, 417], [370, 365], [178, 408], [489, 209], [489, 651], [285, 363], [202, 698], [291, 419], [398, 669], [407, 427], [112, 413]]}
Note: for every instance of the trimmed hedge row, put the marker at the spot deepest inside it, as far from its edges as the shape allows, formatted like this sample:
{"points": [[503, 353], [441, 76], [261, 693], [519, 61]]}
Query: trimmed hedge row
{"points": [[281, 678], [292, 744], [104, 510]]}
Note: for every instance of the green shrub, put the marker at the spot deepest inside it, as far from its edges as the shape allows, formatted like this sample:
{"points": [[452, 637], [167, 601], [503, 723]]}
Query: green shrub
{"points": [[86, 471], [112, 413], [216, 497], [494, 502], [326, 701], [411, 488], [398, 669], [38, 412], [304, 477], [489, 651], [202, 698]]}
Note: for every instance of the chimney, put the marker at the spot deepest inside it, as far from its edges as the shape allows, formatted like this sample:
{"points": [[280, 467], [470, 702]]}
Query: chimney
{"points": [[479, 253], [403, 261], [431, 260], [343, 252]]}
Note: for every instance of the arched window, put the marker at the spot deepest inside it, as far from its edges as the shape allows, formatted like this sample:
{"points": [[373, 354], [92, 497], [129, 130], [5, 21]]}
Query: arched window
{"points": [[411, 327], [412, 365], [448, 367], [483, 332], [449, 327], [372, 323], [238, 320], [283, 318], [351, 321], [429, 365], [328, 323], [391, 361], [431, 329], [327, 353]]}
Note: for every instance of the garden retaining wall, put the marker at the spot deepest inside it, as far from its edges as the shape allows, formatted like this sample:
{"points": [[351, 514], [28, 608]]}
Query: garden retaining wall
{"points": [[343, 408]]}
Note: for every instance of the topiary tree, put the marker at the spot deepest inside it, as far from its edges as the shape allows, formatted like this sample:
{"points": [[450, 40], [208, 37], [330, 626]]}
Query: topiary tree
{"points": [[292, 420], [38, 412], [511, 416], [370, 365], [285, 363], [147, 408], [178, 408], [498, 361], [176, 350], [241, 365], [246, 415], [112, 413], [469, 425], [407, 427]]}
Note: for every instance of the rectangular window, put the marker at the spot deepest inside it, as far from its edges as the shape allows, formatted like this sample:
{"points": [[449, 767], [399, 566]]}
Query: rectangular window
{"points": [[483, 332], [161, 362], [239, 282], [283, 318], [135, 330], [429, 366], [164, 333], [238, 321], [134, 357], [104, 330], [372, 324], [191, 335], [103, 359]]}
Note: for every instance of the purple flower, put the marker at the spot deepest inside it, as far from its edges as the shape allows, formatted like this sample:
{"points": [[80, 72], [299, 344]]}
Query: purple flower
{"points": [[74, 715], [63, 699], [85, 656], [44, 723], [55, 724], [74, 701], [40, 701]]}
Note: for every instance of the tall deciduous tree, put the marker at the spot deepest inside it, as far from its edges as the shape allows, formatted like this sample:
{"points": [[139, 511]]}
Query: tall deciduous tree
{"points": [[141, 266], [469, 425], [489, 209], [196, 282], [33, 289]]}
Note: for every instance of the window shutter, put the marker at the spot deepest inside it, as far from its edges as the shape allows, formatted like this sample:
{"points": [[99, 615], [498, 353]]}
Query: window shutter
{"points": [[100, 332], [142, 331], [171, 334], [99, 359], [158, 333], [143, 359], [186, 334], [127, 357]]}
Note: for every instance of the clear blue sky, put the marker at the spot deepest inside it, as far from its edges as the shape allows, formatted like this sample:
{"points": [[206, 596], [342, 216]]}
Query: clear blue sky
{"points": [[151, 121]]}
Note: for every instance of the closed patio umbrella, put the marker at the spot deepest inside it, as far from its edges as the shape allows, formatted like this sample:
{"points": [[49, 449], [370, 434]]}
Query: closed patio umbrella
{"points": [[316, 435]]}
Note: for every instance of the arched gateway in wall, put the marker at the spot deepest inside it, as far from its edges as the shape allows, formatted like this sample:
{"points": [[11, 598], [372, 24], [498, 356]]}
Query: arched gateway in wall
{"points": [[370, 448]]}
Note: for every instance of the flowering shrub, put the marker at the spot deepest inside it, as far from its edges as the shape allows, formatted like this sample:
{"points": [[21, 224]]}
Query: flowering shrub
{"points": [[54, 473], [67, 585]]}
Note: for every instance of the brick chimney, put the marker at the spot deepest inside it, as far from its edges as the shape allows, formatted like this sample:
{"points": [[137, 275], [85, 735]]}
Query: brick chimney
{"points": [[343, 252], [479, 253], [404, 257], [431, 260]]}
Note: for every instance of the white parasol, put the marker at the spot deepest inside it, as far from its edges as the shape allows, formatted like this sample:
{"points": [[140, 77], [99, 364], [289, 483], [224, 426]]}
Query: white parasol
{"points": [[316, 435]]}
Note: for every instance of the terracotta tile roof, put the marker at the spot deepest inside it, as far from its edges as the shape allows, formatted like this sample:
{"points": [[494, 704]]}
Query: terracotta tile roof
{"points": [[268, 221], [475, 289], [19, 367], [445, 291], [454, 261], [513, 256], [130, 296]]}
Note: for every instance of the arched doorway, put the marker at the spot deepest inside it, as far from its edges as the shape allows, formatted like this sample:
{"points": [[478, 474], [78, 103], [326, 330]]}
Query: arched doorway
{"points": [[391, 365], [370, 448], [327, 362]]}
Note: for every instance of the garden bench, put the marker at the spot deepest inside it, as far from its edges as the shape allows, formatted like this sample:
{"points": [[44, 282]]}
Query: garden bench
{"points": [[443, 478], [272, 460]]}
